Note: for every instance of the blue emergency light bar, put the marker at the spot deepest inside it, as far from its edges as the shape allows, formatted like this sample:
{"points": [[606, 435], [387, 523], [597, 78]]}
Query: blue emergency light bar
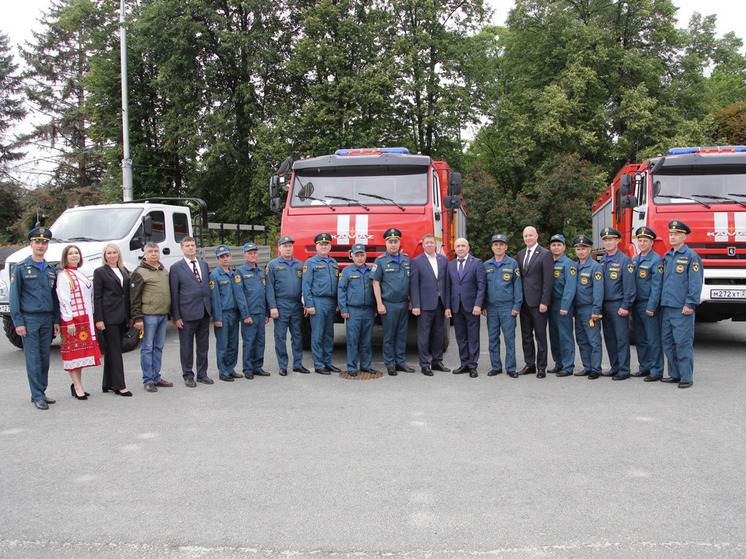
{"points": [[371, 151], [720, 149]]}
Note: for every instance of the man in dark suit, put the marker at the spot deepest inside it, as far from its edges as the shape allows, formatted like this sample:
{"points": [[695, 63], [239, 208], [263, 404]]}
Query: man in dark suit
{"points": [[191, 308], [537, 275], [427, 289], [466, 287]]}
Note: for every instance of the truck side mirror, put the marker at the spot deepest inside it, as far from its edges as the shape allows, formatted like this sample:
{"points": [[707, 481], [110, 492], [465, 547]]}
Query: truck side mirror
{"points": [[147, 228], [451, 202], [454, 184], [625, 185], [657, 166], [629, 202], [285, 166], [275, 205], [274, 186]]}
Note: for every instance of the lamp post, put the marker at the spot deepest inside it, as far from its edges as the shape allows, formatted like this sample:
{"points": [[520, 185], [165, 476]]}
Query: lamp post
{"points": [[126, 161]]}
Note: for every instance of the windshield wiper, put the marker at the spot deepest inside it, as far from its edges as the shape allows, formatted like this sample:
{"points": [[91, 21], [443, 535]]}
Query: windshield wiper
{"points": [[325, 202], [682, 198], [384, 199], [352, 200], [713, 197], [82, 239]]}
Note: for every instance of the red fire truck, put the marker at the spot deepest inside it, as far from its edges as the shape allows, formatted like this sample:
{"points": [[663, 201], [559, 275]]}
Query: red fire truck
{"points": [[705, 187]]}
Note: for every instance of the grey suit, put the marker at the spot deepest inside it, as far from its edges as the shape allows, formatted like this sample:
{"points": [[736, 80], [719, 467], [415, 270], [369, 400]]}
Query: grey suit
{"points": [[191, 303]]}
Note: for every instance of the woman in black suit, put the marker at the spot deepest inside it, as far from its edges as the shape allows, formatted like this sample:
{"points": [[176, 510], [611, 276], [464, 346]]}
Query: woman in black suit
{"points": [[111, 310]]}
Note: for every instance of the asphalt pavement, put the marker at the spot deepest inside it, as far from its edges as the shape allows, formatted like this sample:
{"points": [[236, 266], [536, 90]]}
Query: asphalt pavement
{"points": [[407, 466]]}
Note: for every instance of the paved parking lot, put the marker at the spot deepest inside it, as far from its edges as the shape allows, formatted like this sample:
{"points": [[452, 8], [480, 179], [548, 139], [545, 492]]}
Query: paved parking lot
{"points": [[406, 466]]}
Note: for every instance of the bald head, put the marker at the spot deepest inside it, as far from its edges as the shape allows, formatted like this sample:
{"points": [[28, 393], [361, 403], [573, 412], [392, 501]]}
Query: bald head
{"points": [[461, 246], [530, 236]]}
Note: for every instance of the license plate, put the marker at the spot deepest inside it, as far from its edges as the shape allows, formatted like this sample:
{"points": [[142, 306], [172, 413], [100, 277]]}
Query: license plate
{"points": [[4, 309], [728, 293]]}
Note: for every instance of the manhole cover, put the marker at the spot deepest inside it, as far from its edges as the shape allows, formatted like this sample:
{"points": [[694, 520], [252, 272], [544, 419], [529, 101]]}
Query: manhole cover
{"points": [[361, 375]]}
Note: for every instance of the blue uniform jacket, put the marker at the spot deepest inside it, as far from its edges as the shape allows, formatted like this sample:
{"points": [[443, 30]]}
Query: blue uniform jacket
{"points": [[503, 283], [33, 291], [619, 279], [355, 289], [590, 286], [226, 293], [253, 282], [682, 278], [284, 282], [565, 281], [648, 279], [393, 276], [320, 279]]}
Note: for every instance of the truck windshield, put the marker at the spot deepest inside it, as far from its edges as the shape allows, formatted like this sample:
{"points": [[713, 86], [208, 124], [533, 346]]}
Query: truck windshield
{"points": [[391, 185], [689, 185], [95, 224]]}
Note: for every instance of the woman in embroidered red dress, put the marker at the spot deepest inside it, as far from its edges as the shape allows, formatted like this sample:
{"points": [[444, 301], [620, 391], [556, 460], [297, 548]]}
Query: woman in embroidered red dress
{"points": [[79, 344]]}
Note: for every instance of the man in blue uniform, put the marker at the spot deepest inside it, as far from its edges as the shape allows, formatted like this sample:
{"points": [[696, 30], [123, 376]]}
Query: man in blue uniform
{"points": [[561, 309], [320, 279], [646, 316], [357, 304], [682, 285], [390, 279], [253, 282], [619, 296], [589, 300], [227, 305], [284, 294], [502, 304], [36, 313]]}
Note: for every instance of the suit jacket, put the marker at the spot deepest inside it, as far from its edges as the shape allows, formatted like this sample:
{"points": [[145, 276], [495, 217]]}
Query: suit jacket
{"points": [[111, 300], [538, 278], [190, 300], [468, 291], [424, 289]]}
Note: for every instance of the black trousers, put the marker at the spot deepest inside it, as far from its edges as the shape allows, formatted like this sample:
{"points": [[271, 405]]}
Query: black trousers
{"points": [[113, 364], [534, 325], [431, 335], [199, 330]]}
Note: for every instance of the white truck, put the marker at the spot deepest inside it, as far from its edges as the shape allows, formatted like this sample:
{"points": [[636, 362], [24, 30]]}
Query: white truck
{"points": [[129, 225]]}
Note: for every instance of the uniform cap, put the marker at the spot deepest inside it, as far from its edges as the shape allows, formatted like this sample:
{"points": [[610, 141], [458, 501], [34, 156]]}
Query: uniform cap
{"points": [[323, 238], [357, 248], [500, 237], [285, 239], [558, 238], [222, 249], [582, 241], [249, 246], [678, 227], [610, 233], [40, 234], [646, 232], [391, 233]]}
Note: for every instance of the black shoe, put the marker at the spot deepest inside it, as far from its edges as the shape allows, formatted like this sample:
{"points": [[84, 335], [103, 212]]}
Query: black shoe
{"points": [[512, 374], [332, 369], [494, 372], [283, 372], [685, 384], [554, 370], [49, 400], [190, 382], [583, 373], [261, 373], [127, 393], [205, 380], [427, 371], [670, 380], [226, 379], [652, 378], [323, 371], [368, 371], [352, 373], [249, 376], [301, 370], [236, 375], [461, 370], [75, 394], [473, 373], [391, 371], [440, 367], [610, 373], [640, 374], [405, 368], [541, 373], [527, 370], [593, 375], [40, 404], [620, 376], [105, 390], [564, 373]]}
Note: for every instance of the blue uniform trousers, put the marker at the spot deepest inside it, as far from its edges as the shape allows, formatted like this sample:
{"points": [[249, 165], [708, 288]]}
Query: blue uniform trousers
{"points": [[252, 336], [616, 336], [359, 337], [322, 331], [589, 339], [395, 323], [226, 343], [678, 342], [561, 338], [500, 318], [290, 319], [39, 333], [648, 338]]}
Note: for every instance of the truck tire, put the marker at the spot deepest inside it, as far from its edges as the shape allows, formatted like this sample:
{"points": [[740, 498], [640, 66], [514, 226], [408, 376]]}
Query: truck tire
{"points": [[10, 332]]}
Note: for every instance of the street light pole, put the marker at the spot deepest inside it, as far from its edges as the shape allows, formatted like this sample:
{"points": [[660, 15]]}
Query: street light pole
{"points": [[127, 194]]}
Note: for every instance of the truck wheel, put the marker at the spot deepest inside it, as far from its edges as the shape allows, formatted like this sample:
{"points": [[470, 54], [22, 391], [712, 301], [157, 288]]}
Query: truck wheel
{"points": [[131, 339], [10, 332], [305, 333]]}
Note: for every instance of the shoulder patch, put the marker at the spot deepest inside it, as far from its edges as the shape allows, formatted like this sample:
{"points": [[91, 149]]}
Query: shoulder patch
{"points": [[695, 267], [517, 272], [305, 269], [598, 276], [238, 278], [374, 267], [631, 268], [573, 270], [212, 284], [660, 268]]}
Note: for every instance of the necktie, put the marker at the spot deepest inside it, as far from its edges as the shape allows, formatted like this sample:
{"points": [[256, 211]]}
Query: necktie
{"points": [[528, 257], [196, 272], [460, 268]]}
